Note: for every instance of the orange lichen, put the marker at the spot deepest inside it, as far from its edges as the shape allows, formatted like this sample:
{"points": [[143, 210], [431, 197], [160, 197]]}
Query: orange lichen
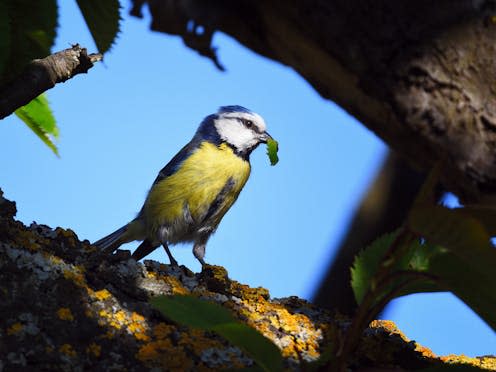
{"points": [[164, 353], [135, 317], [483, 362], [67, 350], [425, 351], [14, 328], [94, 349], [390, 327], [196, 340], [65, 313]]}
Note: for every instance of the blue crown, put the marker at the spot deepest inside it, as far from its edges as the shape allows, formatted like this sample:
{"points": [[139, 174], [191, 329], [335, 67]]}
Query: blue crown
{"points": [[233, 108]]}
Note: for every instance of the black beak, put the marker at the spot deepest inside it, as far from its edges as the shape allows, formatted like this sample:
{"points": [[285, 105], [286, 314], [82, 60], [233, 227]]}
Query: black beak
{"points": [[264, 137]]}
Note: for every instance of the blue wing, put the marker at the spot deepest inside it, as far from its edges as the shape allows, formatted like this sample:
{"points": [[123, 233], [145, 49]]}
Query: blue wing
{"points": [[173, 165]]}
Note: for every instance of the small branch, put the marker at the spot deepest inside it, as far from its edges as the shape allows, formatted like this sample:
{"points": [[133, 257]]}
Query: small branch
{"points": [[42, 74]]}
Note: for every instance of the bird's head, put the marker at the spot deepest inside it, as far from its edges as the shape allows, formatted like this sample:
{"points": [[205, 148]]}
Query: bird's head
{"points": [[241, 129]]}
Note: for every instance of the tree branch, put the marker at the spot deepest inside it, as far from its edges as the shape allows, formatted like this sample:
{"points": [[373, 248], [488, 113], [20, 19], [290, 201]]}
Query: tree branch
{"points": [[42, 74]]}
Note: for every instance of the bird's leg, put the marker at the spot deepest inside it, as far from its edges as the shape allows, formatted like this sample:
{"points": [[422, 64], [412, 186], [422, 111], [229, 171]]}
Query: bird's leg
{"points": [[199, 251], [172, 260]]}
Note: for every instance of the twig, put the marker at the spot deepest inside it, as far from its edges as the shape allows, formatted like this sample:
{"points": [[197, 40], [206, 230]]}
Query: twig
{"points": [[42, 74]]}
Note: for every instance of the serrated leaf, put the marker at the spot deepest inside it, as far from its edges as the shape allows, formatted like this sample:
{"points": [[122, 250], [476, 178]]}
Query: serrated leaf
{"points": [[459, 232], [466, 266], [272, 149], [416, 258], [102, 18], [197, 313], [419, 261], [32, 33], [38, 116], [367, 263]]}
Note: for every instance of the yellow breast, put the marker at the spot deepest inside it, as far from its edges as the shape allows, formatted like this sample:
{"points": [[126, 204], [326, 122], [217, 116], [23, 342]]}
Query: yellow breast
{"points": [[195, 185]]}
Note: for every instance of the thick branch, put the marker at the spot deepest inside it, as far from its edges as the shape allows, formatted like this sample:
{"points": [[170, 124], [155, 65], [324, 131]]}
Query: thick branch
{"points": [[65, 306], [42, 74], [419, 74]]}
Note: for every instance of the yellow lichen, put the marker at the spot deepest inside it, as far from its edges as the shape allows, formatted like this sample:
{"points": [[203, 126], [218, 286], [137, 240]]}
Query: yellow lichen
{"points": [[14, 328], [65, 313], [101, 295], [76, 276], [120, 316], [67, 350], [176, 286], [94, 349], [138, 331], [55, 260]]}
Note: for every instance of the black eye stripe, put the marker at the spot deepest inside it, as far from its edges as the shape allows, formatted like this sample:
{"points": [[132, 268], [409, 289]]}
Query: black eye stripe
{"points": [[250, 125]]}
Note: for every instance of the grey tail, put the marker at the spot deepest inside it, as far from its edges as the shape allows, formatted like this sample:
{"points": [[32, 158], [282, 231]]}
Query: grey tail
{"points": [[113, 241], [144, 249]]}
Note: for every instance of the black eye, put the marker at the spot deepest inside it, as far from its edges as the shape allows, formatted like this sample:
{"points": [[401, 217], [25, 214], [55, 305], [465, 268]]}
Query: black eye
{"points": [[249, 124]]}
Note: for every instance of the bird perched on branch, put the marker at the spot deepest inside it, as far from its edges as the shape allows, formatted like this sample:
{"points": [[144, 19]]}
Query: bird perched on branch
{"points": [[197, 187]]}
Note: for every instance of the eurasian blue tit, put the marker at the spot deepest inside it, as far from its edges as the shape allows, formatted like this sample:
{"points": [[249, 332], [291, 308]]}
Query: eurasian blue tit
{"points": [[197, 187]]}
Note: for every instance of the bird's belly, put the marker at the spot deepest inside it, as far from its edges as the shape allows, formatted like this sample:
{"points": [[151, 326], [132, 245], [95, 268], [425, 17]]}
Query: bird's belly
{"points": [[178, 207]]}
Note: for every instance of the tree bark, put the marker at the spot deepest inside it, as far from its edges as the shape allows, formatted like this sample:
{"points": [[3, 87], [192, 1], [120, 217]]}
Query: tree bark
{"points": [[42, 74], [419, 74]]}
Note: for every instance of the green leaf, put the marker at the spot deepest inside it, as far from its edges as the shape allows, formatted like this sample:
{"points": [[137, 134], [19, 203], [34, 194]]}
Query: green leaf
{"points": [[409, 268], [272, 148], [102, 18], [468, 283], [486, 215], [367, 263], [32, 31], [209, 316], [466, 265], [458, 232], [260, 348], [420, 256], [192, 311], [38, 116]]}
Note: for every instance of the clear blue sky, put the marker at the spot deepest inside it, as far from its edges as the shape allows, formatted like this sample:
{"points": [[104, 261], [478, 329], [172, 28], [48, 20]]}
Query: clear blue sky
{"points": [[127, 117]]}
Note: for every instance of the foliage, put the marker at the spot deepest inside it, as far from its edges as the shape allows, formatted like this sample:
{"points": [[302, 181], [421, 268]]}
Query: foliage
{"points": [[27, 32], [209, 316], [102, 18], [437, 249], [38, 116]]}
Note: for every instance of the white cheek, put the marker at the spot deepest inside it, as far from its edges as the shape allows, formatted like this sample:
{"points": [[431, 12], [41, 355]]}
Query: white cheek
{"points": [[236, 134]]}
